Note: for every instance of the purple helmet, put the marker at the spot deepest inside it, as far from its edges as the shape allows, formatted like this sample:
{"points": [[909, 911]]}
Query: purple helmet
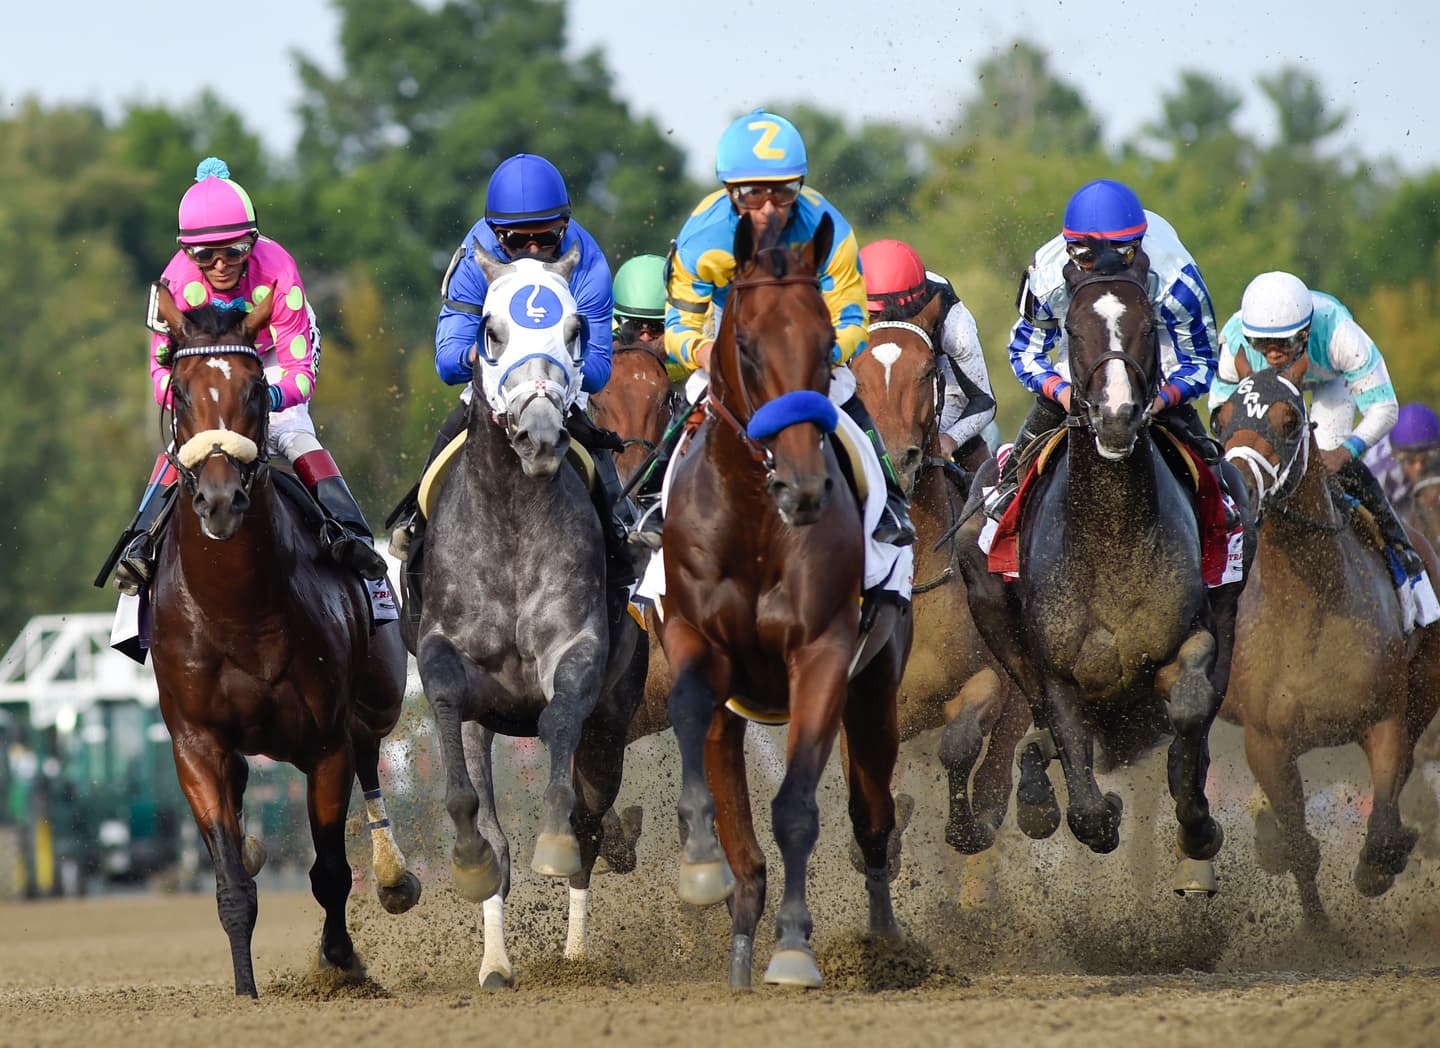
{"points": [[1417, 429]]}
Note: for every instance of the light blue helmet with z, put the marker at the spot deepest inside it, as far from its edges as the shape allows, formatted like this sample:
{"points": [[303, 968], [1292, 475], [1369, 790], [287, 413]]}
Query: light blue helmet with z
{"points": [[760, 147]]}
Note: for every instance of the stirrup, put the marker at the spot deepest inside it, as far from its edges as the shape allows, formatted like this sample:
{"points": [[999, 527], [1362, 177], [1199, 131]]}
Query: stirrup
{"points": [[353, 552], [136, 566], [648, 531], [403, 534], [998, 501], [894, 526]]}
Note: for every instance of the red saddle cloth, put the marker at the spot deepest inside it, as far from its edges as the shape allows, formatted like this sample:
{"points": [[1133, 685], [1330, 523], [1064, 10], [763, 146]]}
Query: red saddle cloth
{"points": [[1218, 547]]}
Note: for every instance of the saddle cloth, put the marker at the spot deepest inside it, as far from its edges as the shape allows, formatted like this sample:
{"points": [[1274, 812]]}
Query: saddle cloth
{"points": [[434, 478], [1221, 550]]}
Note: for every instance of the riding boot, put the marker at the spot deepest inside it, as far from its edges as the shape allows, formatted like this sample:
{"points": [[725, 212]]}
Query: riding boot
{"points": [[1355, 480], [1044, 416], [895, 526], [345, 531], [136, 565], [404, 520]]}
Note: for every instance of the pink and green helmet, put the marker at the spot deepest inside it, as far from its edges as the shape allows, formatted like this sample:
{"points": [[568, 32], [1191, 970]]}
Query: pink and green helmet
{"points": [[215, 210]]}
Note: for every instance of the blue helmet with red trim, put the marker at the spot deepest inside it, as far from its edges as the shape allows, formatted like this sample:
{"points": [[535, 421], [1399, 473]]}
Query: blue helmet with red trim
{"points": [[1104, 210], [526, 188]]}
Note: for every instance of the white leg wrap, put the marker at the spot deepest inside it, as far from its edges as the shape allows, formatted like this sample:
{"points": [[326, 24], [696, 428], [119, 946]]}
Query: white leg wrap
{"points": [[385, 856], [577, 935], [495, 959]]}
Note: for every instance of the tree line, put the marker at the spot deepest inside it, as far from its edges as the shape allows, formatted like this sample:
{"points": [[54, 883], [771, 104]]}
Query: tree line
{"points": [[390, 171]]}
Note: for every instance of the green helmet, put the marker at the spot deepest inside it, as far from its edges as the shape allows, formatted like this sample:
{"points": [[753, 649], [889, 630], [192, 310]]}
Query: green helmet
{"points": [[640, 289]]}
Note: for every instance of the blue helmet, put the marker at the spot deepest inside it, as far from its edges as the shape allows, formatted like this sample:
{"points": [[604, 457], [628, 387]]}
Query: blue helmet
{"points": [[1416, 429], [526, 188], [760, 147], [1104, 210]]}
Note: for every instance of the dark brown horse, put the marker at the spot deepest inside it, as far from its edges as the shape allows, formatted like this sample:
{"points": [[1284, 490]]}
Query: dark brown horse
{"points": [[261, 644], [1320, 658], [764, 553], [637, 402], [951, 678], [1108, 628]]}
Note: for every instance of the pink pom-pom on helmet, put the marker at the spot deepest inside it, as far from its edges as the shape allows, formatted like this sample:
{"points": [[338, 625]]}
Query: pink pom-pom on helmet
{"points": [[215, 210]]}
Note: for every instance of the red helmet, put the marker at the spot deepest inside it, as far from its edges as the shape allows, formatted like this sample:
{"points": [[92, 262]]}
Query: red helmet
{"points": [[894, 274]]}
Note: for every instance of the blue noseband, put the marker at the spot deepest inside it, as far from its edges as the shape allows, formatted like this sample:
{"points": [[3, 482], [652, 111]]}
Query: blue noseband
{"points": [[788, 409]]}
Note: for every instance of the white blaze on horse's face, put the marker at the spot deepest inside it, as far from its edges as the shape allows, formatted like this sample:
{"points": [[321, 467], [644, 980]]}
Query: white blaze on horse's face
{"points": [[887, 353], [1116, 393]]}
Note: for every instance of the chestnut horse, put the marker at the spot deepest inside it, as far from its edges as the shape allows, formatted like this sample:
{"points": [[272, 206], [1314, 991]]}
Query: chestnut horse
{"points": [[637, 403], [764, 553], [261, 644], [1108, 629], [951, 678], [1320, 658]]}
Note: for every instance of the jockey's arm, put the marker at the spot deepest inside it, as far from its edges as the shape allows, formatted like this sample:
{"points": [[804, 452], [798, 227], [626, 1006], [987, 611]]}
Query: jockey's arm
{"points": [[595, 298], [1189, 318], [292, 330], [969, 400], [1032, 340], [846, 299], [1355, 356], [688, 305], [1227, 376], [458, 326]]}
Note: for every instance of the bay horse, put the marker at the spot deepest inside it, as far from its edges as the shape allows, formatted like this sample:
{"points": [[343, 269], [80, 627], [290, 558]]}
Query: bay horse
{"points": [[764, 551], [637, 403], [1107, 630], [951, 678], [1321, 658], [261, 644], [514, 636]]}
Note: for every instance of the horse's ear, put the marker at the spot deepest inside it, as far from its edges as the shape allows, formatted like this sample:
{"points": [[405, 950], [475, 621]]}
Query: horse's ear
{"points": [[491, 266], [169, 312], [929, 315], [822, 241], [1242, 364], [744, 242], [1295, 371], [258, 317], [567, 263], [1220, 417]]}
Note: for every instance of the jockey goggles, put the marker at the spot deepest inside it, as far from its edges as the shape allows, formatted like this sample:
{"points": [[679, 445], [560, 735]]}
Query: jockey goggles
{"points": [[1084, 252], [513, 240], [203, 255], [751, 196], [1290, 345]]}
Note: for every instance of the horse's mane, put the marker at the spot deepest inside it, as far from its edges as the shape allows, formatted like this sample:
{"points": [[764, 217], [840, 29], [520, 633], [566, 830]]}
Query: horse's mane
{"points": [[212, 322]]}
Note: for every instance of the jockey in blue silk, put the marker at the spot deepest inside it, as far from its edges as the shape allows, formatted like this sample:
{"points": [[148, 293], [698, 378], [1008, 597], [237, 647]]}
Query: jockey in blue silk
{"points": [[1105, 226], [761, 162], [527, 215], [1279, 320]]}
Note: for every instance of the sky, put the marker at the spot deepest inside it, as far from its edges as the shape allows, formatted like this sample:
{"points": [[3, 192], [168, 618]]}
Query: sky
{"points": [[913, 61]]}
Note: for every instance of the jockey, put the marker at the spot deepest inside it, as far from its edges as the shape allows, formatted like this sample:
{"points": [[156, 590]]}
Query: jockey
{"points": [[1105, 226], [1414, 444], [639, 316], [1279, 319], [899, 289], [762, 164], [224, 261], [527, 215]]}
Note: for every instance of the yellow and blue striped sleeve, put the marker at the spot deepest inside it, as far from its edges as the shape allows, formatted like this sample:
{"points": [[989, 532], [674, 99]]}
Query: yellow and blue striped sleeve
{"points": [[844, 290]]}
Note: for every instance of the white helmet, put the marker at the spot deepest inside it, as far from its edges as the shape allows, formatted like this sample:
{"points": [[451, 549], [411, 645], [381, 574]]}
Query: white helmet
{"points": [[1275, 305]]}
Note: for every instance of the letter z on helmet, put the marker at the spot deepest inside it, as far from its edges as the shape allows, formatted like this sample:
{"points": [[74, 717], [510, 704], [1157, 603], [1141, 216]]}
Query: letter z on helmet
{"points": [[760, 147], [526, 188], [215, 210], [1275, 305], [1104, 210], [894, 274]]}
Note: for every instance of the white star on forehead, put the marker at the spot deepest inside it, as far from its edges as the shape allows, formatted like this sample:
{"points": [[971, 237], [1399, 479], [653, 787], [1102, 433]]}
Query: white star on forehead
{"points": [[220, 364], [887, 353]]}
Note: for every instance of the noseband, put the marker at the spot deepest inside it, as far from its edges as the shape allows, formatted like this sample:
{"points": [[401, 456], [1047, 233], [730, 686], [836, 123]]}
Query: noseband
{"points": [[1274, 482], [248, 457]]}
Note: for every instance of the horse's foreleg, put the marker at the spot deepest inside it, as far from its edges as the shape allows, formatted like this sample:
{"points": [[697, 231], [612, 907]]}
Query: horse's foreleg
{"points": [[205, 771], [1093, 819], [576, 690], [1388, 842], [705, 877], [1193, 704], [599, 765], [873, 730], [978, 707], [729, 785], [1272, 761], [475, 872], [328, 796], [396, 887], [252, 851], [478, 743]]}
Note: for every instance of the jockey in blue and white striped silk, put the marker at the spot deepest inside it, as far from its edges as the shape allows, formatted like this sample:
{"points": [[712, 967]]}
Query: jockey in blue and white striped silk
{"points": [[1105, 225]]}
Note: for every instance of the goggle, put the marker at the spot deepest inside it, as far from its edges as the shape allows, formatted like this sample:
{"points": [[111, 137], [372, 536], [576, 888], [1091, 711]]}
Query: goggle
{"points": [[1290, 344], [1084, 253], [513, 240], [204, 256], [633, 327], [749, 196]]}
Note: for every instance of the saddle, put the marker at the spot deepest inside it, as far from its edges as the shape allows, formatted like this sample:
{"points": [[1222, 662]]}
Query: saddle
{"points": [[433, 480]]}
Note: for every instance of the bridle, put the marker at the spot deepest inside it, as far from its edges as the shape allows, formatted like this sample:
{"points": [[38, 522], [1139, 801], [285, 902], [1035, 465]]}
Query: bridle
{"points": [[673, 397], [247, 456], [1275, 482], [1086, 410]]}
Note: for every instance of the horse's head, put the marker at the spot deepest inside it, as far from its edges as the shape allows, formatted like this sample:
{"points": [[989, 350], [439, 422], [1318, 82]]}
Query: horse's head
{"points": [[899, 381], [220, 407], [532, 342], [637, 402], [1114, 354], [771, 366], [1266, 431]]}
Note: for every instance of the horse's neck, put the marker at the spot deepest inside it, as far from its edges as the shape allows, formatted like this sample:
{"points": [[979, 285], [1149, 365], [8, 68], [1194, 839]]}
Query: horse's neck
{"points": [[488, 443], [1309, 523], [1119, 496]]}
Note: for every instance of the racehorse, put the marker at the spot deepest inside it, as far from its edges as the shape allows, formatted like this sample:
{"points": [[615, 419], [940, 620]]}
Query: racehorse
{"points": [[513, 634], [637, 403], [1321, 658], [763, 551], [951, 677], [1107, 630], [261, 644]]}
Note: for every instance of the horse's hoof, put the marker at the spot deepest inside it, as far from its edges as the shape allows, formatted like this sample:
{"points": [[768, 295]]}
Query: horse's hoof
{"points": [[971, 837], [352, 968], [476, 883], [1371, 881], [1209, 845], [705, 883], [793, 968], [1037, 821], [497, 980], [1194, 877], [556, 855], [253, 856], [397, 898]]}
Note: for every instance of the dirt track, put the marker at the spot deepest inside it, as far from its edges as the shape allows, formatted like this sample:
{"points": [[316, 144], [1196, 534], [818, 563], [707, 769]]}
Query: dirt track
{"points": [[1061, 948]]}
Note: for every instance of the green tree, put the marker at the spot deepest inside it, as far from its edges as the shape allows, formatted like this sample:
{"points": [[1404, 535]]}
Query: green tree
{"points": [[871, 173], [1019, 98]]}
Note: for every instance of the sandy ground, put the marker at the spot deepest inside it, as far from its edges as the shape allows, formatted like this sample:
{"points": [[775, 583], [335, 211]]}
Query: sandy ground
{"points": [[1033, 943]]}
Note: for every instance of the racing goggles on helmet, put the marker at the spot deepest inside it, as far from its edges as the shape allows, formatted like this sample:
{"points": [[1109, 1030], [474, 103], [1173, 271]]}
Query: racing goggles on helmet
{"points": [[516, 240], [751, 196], [204, 255], [1290, 345], [1085, 253]]}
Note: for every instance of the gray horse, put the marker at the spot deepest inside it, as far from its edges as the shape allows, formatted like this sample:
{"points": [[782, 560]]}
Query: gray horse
{"points": [[513, 636]]}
